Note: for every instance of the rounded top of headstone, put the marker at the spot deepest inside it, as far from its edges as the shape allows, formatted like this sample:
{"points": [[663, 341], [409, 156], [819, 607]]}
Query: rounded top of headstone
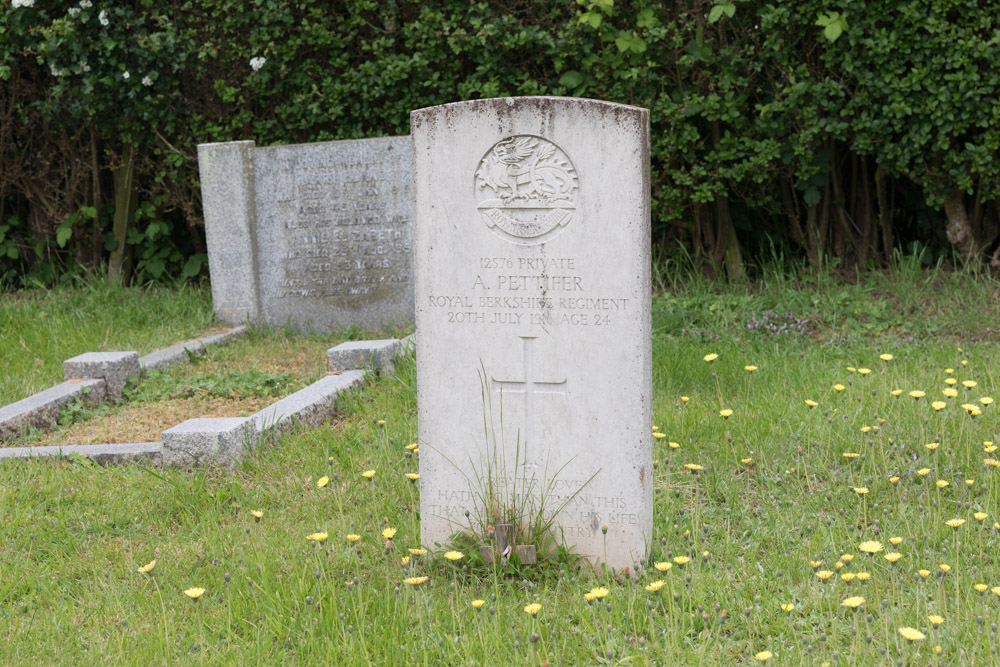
{"points": [[538, 104]]}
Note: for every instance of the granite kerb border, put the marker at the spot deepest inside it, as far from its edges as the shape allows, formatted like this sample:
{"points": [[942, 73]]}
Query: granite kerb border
{"points": [[224, 441], [95, 377]]}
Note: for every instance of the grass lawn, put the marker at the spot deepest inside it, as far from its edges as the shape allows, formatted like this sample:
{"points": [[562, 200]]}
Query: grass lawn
{"points": [[761, 523]]}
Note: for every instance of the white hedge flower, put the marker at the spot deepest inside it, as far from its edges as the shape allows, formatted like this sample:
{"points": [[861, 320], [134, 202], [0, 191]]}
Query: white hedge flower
{"points": [[103, 17], [147, 80], [73, 11], [22, 3], [257, 63], [126, 75], [86, 4]]}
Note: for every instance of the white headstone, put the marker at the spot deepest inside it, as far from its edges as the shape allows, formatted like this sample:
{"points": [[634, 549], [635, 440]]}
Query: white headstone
{"points": [[532, 269], [316, 236]]}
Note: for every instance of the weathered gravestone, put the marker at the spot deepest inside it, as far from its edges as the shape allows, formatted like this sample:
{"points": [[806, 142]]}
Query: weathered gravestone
{"points": [[317, 236], [531, 252]]}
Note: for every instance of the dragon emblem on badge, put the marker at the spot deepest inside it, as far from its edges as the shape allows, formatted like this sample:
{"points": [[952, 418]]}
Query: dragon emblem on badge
{"points": [[526, 189]]}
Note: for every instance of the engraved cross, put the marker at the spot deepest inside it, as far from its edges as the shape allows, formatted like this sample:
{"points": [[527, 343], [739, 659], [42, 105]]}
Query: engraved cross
{"points": [[530, 388]]}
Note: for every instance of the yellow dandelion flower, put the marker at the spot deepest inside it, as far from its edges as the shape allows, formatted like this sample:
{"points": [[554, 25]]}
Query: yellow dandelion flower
{"points": [[746, 461], [864, 576], [944, 567], [148, 567], [454, 555], [916, 393], [970, 482], [893, 556], [415, 581], [317, 537], [847, 558], [322, 481], [932, 445], [694, 467], [950, 381], [655, 427], [912, 634], [896, 392], [388, 533], [589, 597], [417, 552], [980, 516], [654, 586], [352, 537], [852, 369], [412, 476], [599, 592], [824, 574], [870, 547], [682, 560], [950, 393], [935, 620], [969, 407], [410, 447], [969, 384], [989, 449], [811, 403], [949, 371], [924, 573], [941, 483], [659, 435], [939, 405], [663, 566], [853, 602], [923, 472], [405, 560], [893, 480], [986, 400], [847, 577], [838, 387], [710, 357], [815, 563], [993, 463], [981, 588], [478, 604], [685, 399], [726, 413], [381, 422], [368, 474], [885, 357], [864, 371], [860, 490], [954, 523], [838, 565], [674, 445], [749, 369], [866, 428], [996, 590], [851, 455], [533, 608], [763, 656], [788, 607], [194, 593]]}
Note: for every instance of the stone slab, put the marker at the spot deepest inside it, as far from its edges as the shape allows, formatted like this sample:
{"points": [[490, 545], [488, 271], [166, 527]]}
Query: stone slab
{"points": [[532, 279], [218, 441], [109, 454], [113, 367], [181, 352], [314, 236], [41, 410], [308, 406], [376, 355]]}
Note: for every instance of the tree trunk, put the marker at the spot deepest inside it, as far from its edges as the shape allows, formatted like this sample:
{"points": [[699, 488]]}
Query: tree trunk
{"points": [[884, 214], [959, 230], [119, 265]]}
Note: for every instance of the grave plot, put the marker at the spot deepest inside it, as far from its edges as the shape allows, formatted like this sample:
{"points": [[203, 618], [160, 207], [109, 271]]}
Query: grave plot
{"points": [[235, 381]]}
